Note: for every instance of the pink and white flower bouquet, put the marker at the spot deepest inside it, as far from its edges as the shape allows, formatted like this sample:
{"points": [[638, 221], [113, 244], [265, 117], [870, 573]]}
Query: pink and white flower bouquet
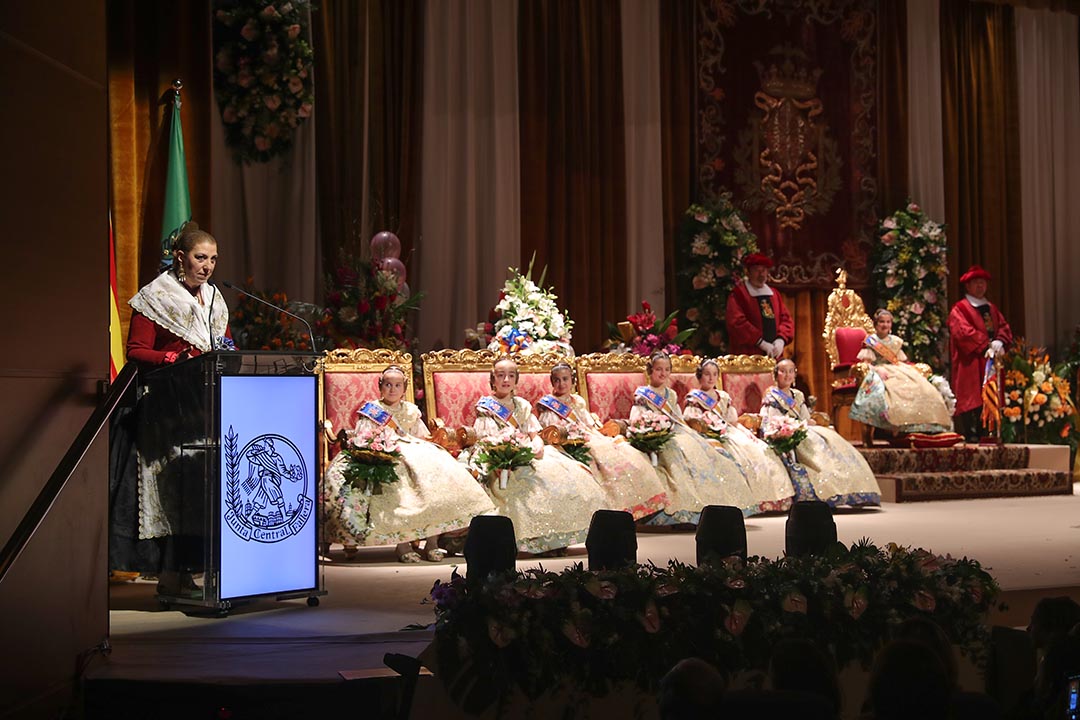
{"points": [[649, 431], [782, 433], [505, 450], [372, 454]]}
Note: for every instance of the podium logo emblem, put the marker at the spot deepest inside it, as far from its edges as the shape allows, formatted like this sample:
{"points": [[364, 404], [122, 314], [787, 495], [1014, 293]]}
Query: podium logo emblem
{"points": [[267, 489]]}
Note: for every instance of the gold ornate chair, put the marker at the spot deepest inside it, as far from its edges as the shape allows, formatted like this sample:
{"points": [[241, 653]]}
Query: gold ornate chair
{"points": [[846, 327], [455, 379], [607, 381], [746, 378], [348, 378]]}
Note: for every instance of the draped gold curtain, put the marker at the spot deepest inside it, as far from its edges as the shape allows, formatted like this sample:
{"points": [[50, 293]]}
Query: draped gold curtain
{"points": [[573, 177], [150, 45], [982, 150], [678, 88], [368, 84]]}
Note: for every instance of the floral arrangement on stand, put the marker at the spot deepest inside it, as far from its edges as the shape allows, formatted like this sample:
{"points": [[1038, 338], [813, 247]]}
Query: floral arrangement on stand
{"points": [[649, 432], [258, 326], [600, 630], [909, 275], [527, 318], [1038, 406], [783, 433], [498, 454], [368, 304], [262, 74], [712, 241], [642, 334]]}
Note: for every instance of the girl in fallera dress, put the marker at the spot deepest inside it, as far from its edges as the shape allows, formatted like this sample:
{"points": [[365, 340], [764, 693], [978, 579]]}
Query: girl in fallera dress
{"points": [[894, 396], [765, 471], [829, 468], [629, 480], [696, 473], [551, 500], [433, 493]]}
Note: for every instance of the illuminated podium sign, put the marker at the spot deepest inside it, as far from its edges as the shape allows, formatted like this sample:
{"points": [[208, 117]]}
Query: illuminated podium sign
{"points": [[268, 541], [232, 438]]}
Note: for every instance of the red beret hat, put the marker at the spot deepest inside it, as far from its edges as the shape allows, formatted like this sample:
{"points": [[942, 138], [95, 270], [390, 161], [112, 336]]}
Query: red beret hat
{"points": [[757, 259], [974, 273]]}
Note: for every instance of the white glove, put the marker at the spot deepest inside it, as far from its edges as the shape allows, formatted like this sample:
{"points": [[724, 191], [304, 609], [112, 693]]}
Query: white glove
{"points": [[766, 347], [778, 344], [995, 348]]}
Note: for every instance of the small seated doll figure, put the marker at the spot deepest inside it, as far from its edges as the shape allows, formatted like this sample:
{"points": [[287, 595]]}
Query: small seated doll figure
{"points": [[894, 396], [629, 480], [829, 468], [433, 493], [765, 471], [696, 473], [552, 499]]}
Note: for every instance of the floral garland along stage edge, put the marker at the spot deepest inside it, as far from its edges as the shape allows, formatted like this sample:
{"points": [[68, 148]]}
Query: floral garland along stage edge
{"points": [[632, 625], [712, 239], [262, 75], [909, 275]]}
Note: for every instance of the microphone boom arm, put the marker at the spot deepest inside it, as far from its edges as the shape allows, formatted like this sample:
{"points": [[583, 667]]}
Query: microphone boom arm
{"points": [[311, 335]]}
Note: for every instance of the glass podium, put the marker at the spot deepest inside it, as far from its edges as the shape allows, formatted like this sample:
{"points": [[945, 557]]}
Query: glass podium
{"points": [[229, 478]]}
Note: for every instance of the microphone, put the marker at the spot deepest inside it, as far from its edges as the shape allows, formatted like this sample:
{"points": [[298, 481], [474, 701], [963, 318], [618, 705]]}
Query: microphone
{"points": [[311, 335]]}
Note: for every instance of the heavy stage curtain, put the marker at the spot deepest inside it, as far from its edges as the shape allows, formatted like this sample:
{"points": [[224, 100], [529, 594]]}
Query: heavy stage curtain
{"points": [[149, 46], [678, 88], [470, 210], [640, 21], [1049, 84], [981, 150], [927, 174], [573, 162], [894, 187], [369, 64]]}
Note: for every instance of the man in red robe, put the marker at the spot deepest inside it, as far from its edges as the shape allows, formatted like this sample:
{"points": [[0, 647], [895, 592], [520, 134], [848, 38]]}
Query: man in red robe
{"points": [[977, 331], [758, 322]]}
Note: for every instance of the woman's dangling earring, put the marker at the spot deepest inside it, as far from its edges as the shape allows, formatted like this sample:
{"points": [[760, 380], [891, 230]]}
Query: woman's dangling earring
{"points": [[179, 269]]}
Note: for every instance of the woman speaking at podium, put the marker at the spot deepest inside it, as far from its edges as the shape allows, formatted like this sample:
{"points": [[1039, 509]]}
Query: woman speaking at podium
{"points": [[178, 314]]}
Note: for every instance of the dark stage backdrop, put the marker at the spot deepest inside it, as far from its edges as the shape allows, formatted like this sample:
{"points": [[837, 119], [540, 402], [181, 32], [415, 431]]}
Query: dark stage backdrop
{"points": [[786, 122]]}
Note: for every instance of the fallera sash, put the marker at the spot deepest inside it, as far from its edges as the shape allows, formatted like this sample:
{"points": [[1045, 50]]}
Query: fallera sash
{"points": [[884, 351], [702, 398], [493, 408], [650, 396], [555, 405], [375, 413], [781, 400]]}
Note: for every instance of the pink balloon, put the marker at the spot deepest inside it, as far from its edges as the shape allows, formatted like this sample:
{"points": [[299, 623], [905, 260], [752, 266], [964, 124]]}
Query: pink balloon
{"points": [[396, 268], [385, 245]]}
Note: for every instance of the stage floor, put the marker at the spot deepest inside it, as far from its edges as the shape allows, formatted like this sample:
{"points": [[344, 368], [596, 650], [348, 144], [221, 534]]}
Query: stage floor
{"points": [[1031, 545]]}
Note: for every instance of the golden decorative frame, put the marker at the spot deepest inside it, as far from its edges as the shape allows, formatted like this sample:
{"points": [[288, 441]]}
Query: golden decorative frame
{"points": [[844, 308]]}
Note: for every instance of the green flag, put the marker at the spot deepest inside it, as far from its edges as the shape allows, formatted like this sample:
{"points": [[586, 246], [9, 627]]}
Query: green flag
{"points": [[177, 209]]}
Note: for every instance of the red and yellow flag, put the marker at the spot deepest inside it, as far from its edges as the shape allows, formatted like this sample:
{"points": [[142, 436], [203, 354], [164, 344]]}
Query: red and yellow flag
{"points": [[991, 397], [116, 339]]}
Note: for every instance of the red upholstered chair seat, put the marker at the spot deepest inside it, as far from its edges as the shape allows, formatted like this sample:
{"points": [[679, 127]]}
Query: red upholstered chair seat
{"points": [[849, 340]]}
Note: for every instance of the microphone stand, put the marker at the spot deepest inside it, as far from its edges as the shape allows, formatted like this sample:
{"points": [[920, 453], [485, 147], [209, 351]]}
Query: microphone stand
{"points": [[311, 335]]}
